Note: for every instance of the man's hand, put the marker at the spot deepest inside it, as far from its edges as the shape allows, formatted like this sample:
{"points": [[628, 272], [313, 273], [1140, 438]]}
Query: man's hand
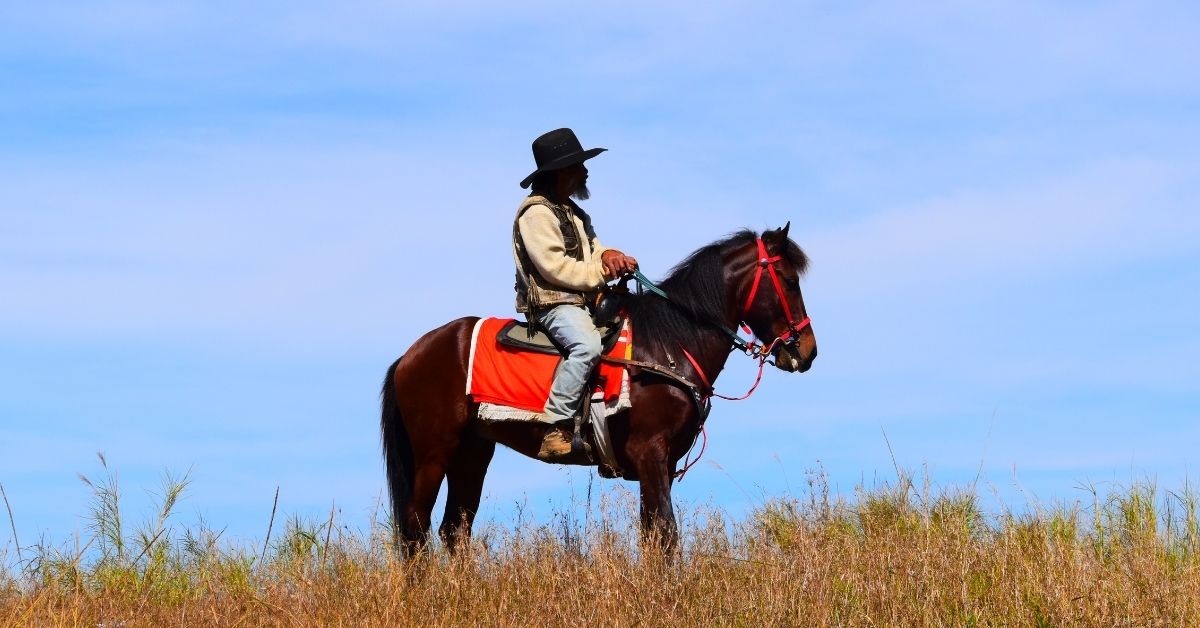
{"points": [[617, 263]]}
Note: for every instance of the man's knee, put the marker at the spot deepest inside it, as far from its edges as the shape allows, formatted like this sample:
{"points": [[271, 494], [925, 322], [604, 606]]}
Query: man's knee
{"points": [[587, 349]]}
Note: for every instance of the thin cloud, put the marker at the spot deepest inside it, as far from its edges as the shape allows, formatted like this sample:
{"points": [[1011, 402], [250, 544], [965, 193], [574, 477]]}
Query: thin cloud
{"points": [[1108, 215]]}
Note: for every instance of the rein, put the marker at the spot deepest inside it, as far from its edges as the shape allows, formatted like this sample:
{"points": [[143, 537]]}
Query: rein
{"points": [[761, 352]]}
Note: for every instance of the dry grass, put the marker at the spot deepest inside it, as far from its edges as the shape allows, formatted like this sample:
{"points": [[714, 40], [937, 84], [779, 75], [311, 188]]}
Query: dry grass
{"points": [[895, 555]]}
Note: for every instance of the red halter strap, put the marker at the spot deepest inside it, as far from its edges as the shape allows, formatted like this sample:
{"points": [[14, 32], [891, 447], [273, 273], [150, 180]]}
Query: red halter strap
{"points": [[768, 262]]}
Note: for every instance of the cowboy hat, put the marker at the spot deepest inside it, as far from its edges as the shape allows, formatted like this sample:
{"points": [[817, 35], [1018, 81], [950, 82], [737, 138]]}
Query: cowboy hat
{"points": [[558, 149]]}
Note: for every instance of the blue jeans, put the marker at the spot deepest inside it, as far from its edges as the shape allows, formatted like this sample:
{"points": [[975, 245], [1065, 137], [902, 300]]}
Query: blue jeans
{"points": [[571, 326]]}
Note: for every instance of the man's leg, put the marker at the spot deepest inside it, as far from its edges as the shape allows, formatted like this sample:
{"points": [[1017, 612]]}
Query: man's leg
{"points": [[573, 329]]}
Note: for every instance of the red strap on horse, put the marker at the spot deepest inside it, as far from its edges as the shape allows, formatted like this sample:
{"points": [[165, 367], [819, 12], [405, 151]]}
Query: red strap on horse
{"points": [[768, 261], [699, 371], [763, 260], [762, 362], [762, 249], [688, 463]]}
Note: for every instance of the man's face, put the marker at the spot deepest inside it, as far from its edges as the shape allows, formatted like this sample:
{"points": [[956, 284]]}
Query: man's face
{"points": [[576, 180]]}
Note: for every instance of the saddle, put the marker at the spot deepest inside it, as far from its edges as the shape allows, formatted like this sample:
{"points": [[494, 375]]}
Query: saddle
{"points": [[606, 311], [519, 335]]}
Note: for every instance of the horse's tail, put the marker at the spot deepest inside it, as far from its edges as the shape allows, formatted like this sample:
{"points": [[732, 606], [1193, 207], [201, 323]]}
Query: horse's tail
{"points": [[397, 451]]}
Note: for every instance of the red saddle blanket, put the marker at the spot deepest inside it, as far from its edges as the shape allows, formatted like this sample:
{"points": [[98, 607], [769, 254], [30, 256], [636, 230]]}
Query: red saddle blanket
{"points": [[516, 378]]}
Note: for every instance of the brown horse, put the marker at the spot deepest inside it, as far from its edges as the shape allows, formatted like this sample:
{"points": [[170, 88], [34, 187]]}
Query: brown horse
{"points": [[431, 432]]}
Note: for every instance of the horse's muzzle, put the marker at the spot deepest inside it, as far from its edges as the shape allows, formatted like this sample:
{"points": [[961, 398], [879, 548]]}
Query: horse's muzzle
{"points": [[788, 358]]}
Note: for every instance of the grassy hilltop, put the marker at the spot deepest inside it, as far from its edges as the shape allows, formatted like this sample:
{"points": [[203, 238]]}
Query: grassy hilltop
{"points": [[895, 555]]}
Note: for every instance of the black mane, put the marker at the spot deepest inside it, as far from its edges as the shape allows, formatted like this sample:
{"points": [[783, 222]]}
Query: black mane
{"points": [[697, 290]]}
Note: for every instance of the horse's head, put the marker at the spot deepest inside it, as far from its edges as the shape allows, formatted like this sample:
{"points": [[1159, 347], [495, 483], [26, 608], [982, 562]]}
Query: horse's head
{"points": [[767, 275]]}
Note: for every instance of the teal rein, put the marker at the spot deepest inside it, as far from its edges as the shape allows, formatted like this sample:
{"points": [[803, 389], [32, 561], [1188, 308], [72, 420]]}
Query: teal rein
{"points": [[649, 285], [738, 343]]}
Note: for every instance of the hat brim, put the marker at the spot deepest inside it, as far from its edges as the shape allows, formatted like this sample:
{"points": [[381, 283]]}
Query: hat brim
{"points": [[563, 162]]}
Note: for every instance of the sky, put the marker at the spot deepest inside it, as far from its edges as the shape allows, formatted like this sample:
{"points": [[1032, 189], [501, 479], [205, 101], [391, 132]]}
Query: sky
{"points": [[220, 222]]}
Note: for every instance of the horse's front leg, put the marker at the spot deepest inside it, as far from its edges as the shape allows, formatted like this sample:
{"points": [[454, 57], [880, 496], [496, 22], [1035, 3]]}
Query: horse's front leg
{"points": [[658, 515]]}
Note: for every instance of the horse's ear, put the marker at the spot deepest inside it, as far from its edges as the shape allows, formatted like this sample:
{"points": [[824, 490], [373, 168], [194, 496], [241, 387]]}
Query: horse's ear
{"points": [[778, 236]]}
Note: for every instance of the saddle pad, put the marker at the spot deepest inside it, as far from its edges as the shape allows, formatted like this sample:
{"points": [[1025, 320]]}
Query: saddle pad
{"points": [[506, 376]]}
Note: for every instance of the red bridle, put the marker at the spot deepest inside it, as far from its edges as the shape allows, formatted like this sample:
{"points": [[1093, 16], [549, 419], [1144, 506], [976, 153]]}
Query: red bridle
{"points": [[760, 351], [794, 327]]}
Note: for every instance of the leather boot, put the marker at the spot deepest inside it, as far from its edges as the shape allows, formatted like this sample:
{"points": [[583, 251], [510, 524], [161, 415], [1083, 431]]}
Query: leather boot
{"points": [[556, 444]]}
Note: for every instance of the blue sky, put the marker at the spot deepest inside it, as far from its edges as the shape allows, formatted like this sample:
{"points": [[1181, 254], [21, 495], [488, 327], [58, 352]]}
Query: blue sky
{"points": [[221, 223]]}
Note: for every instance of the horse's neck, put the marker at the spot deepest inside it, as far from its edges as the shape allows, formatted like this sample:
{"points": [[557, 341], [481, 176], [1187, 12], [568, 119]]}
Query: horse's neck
{"points": [[717, 344], [714, 346]]}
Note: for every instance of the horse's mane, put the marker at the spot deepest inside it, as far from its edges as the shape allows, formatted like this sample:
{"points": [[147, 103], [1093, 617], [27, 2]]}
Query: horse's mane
{"points": [[697, 290]]}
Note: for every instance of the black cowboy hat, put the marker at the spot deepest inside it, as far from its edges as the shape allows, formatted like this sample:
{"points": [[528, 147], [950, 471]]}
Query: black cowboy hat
{"points": [[558, 149]]}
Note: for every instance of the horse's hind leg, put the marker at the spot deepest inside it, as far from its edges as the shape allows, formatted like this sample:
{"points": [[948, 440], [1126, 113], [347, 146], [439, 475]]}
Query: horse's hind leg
{"points": [[465, 475], [429, 396], [427, 481]]}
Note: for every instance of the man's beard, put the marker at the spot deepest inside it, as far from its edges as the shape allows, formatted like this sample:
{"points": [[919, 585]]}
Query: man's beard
{"points": [[581, 193]]}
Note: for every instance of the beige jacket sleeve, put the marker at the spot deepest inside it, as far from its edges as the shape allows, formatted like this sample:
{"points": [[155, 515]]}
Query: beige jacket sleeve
{"points": [[546, 249]]}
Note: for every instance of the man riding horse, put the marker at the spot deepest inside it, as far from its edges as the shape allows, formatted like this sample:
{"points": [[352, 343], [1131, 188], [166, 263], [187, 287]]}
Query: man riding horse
{"points": [[561, 266], [434, 435]]}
